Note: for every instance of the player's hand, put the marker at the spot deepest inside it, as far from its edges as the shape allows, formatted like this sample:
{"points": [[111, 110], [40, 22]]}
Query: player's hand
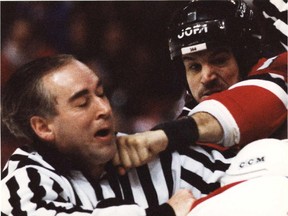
{"points": [[182, 202], [138, 149]]}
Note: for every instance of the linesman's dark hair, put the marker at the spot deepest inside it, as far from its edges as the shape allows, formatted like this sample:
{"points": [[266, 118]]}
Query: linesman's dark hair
{"points": [[24, 95]]}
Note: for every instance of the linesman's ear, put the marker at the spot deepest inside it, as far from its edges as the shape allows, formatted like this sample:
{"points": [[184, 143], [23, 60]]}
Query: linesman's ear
{"points": [[42, 128]]}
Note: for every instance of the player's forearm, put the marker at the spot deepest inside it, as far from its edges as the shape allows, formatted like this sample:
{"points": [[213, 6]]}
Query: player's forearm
{"points": [[209, 129]]}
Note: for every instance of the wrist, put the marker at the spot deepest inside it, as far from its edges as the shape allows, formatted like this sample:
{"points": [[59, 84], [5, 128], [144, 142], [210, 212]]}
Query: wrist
{"points": [[180, 133], [162, 138]]}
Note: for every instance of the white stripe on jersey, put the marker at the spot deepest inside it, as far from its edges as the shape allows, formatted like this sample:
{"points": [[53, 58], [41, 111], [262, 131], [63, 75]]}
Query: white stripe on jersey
{"points": [[280, 5], [158, 180], [205, 169], [81, 185], [138, 193]]}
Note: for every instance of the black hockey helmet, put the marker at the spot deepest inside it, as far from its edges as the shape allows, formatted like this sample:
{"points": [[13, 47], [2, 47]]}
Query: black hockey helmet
{"points": [[204, 24]]}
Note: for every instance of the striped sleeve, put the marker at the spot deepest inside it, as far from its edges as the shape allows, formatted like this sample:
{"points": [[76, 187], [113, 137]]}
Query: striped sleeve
{"points": [[202, 168], [253, 108], [34, 190]]}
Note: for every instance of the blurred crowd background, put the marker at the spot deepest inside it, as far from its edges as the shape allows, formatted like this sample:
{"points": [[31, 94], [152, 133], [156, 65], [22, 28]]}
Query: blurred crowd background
{"points": [[124, 41]]}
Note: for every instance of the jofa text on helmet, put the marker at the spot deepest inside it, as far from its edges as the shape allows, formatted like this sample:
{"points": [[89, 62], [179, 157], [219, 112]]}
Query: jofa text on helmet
{"points": [[196, 29], [252, 161]]}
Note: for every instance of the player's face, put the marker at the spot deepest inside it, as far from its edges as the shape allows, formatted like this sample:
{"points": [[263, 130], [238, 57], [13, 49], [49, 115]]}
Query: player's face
{"points": [[84, 126], [210, 71]]}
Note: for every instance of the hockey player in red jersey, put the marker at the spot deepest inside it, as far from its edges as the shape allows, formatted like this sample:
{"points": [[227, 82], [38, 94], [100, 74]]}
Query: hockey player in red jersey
{"points": [[237, 99]]}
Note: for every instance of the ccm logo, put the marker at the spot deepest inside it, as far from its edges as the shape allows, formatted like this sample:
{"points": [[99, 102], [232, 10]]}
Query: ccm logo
{"points": [[252, 161]]}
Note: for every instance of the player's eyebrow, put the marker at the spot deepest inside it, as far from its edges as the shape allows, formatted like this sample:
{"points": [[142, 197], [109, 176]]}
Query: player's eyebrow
{"points": [[188, 57], [220, 51], [78, 95]]}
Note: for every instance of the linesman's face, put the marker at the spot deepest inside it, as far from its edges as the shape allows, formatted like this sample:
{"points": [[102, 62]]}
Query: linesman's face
{"points": [[210, 71], [84, 126]]}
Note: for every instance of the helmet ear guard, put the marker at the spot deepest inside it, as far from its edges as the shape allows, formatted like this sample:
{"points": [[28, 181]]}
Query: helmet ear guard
{"points": [[203, 24]]}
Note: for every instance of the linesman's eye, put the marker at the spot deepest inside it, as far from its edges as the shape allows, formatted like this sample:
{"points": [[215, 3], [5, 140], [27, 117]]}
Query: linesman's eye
{"points": [[83, 102], [100, 92]]}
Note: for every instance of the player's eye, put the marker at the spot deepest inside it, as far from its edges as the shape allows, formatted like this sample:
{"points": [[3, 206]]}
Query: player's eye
{"points": [[220, 60], [193, 67]]}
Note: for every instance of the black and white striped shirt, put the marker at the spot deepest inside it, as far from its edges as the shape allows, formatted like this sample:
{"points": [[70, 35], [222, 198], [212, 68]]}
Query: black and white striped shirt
{"points": [[32, 185]]}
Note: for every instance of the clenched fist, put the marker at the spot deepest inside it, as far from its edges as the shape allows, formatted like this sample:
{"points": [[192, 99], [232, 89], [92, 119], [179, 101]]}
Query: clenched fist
{"points": [[138, 149]]}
